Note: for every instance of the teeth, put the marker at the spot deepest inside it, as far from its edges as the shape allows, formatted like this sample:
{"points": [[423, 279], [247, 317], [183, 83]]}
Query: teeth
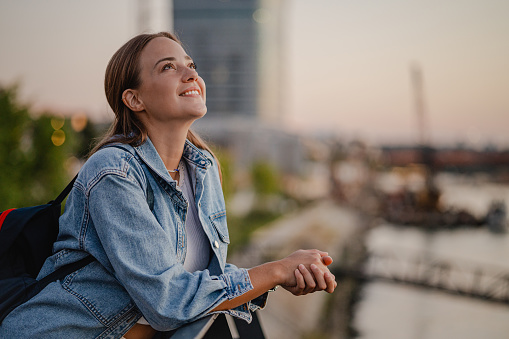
{"points": [[193, 92]]}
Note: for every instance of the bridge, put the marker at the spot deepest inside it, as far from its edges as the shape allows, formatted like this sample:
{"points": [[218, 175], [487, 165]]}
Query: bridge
{"points": [[487, 283]]}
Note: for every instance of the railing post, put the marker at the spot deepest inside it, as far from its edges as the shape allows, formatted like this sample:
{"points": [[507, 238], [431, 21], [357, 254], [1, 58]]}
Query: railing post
{"points": [[250, 331]]}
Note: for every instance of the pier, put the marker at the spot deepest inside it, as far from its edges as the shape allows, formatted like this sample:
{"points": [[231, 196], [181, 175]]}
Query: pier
{"points": [[484, 283]]}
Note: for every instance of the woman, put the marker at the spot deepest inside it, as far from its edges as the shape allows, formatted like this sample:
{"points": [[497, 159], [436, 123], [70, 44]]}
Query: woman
{"points": [[148, 206]]}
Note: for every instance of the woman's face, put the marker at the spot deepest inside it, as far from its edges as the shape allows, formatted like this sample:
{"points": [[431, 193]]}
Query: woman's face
{"points": [[170, 86]]}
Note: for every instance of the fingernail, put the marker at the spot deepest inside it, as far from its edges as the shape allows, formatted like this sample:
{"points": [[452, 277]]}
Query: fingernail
{"points": [[302, 266], [313, 266]]}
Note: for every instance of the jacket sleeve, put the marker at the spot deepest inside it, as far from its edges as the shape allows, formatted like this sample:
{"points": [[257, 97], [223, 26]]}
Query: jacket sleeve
{"points": [[137, 248]]}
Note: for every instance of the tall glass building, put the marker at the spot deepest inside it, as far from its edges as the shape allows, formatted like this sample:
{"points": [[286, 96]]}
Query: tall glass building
{"points": [[221, 37], [238, 46]]}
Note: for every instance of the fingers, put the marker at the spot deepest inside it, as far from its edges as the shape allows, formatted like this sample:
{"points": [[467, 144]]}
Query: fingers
{"points": [[312, 280], [324, 257], [330, 280], [308, 279], [300, 287], [322, 253], [301, 284], [325, 281], [308, 257], [317, 280], [321, 284]]}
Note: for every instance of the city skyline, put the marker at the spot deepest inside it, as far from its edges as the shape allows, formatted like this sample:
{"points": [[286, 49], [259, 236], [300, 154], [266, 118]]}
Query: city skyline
{"points": [[347, 64]]}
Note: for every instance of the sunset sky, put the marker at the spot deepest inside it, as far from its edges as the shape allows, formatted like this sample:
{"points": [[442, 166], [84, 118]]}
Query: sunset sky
{"points": [[348, 63]]}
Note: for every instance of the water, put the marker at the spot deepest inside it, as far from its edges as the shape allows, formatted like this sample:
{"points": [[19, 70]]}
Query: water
{"points": [[398, 312]]}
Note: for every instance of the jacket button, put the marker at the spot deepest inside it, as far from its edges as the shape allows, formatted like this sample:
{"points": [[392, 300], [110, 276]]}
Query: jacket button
{"points": [[216, 244]]}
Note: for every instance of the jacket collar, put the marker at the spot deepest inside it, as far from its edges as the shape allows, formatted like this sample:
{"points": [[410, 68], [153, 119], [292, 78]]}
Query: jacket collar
{"points": [[195, 157]]}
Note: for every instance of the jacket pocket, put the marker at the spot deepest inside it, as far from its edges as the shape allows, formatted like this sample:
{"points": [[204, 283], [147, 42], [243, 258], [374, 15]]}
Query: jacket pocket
{"points": [[218, 220], [99, 292], [220, 246]]}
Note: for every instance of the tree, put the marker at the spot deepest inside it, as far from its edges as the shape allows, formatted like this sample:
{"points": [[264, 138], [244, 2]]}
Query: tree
{"points": [[33, 152]]}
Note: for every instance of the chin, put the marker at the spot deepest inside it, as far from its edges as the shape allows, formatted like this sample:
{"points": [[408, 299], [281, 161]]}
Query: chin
{"points": [[202, 113]]}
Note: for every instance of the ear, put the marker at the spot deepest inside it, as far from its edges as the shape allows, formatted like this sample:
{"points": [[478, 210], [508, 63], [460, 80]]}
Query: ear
{"points": [[132, 101]]}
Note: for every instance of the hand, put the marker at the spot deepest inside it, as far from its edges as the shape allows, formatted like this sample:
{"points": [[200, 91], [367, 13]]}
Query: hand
{"points": [[308, 282], [302, 272], [310, 272]]}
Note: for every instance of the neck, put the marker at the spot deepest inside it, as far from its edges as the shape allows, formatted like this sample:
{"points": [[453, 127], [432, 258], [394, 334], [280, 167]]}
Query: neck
{"points": [[169, 143]]}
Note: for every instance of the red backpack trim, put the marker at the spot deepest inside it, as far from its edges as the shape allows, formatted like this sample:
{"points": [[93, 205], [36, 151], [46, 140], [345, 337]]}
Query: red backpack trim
{"points": [[4, 215]]}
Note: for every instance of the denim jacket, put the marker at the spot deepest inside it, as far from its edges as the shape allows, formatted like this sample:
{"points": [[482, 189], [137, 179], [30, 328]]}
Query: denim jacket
{"points": [[126, 211]]}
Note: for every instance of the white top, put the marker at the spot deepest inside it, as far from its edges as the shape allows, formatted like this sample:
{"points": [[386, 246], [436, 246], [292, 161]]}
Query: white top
{"points": [[198, 247]]}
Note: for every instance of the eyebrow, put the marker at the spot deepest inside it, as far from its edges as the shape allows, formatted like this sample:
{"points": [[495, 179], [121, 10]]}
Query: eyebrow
{"points": [[187, 57]]}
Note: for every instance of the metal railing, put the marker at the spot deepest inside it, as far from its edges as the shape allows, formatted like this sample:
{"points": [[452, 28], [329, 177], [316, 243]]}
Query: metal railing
{"points": [[219, 326]]}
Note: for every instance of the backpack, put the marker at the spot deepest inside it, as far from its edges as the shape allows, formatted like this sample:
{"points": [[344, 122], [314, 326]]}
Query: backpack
{"points": [[26, 240]]}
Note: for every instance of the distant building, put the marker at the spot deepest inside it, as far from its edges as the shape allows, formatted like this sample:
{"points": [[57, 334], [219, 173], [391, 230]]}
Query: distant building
{"points": [[237, 45]]}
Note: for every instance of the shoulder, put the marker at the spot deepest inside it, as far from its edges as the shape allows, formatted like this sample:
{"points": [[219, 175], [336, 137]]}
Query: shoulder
{"points": [[114, 157], [110, 160]]}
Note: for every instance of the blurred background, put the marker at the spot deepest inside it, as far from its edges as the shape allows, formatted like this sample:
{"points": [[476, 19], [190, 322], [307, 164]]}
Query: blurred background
{"points": [[373, 130]]}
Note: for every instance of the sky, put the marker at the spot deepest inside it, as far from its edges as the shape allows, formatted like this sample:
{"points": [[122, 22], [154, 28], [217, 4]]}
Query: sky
{"points": [[347, 69]]}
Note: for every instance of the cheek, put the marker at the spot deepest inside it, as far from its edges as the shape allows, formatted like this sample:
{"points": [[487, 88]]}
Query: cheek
{"points": [[203, 88]]}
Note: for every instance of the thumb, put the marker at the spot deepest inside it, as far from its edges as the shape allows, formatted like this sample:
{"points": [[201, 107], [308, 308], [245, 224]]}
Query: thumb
{"points": [[327, 260]]}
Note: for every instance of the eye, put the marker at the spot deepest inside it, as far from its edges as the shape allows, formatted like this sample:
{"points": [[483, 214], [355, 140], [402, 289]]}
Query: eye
{"points": [[193, 66], [169, 65]]}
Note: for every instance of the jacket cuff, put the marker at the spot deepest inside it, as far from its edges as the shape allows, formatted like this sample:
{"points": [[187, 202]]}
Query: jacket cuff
{"points": [[244, 311], [259, 302], [237, 283]]}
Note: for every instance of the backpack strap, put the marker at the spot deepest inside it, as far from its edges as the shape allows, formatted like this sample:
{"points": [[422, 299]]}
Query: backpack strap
{"points": [[64, 193], [60, 274], [66, 269]]}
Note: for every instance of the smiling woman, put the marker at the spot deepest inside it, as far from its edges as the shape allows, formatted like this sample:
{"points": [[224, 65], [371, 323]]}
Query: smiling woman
{"points": [[148, 206]]}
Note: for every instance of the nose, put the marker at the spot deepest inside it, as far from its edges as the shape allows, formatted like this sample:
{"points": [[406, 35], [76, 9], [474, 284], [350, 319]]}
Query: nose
{"points": [[190, 75]]}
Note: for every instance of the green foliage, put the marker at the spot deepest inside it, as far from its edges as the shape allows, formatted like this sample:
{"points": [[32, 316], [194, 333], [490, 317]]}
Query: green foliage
{"points": [[226, 163], [266, 183], [31, 166], [265, 179], [241, 228]]}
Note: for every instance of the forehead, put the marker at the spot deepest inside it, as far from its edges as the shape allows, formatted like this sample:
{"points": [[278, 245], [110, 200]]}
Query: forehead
{"points": [[161, 47]]}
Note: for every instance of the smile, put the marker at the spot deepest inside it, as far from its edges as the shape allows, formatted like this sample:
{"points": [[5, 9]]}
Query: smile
{"points": [[192, 92]]}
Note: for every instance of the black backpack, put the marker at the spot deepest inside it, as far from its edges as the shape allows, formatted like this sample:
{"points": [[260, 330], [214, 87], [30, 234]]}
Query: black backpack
{"points": [[26, 240]]}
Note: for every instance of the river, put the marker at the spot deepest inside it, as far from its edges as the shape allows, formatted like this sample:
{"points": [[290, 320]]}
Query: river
{"points": [[391, 311]]}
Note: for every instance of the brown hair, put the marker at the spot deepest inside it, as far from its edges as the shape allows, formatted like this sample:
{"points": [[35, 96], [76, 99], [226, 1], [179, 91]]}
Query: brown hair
{"points": [[123, 72]]}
